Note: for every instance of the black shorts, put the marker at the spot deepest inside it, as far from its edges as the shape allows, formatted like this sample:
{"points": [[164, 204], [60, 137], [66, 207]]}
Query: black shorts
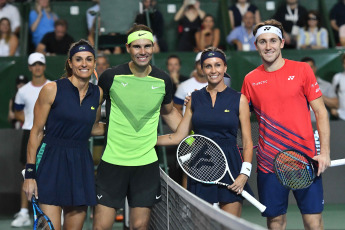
{"points": [[141, 185], [24, 146]]}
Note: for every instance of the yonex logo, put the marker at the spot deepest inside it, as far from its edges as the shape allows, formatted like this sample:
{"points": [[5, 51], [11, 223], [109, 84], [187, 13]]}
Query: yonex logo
{"points": [[267, 28], [141, 34], [82, 48], [226, 111], [92, 108], [124, 84], [291, 78]]}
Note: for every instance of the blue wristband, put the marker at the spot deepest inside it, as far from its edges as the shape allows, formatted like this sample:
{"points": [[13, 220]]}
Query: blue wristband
{"points": [[30, 171]]}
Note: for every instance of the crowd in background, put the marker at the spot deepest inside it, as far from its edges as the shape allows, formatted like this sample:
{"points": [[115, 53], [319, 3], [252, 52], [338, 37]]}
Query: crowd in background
{"points": [[196, 29]]}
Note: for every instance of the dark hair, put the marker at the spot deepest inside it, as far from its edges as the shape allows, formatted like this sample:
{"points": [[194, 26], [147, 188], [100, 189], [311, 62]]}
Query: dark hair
{"points": [[68, 70], [307, 59], [173, 56], [270, 22], [8, 36], [61, 22], [208, 15], [137, 27], [317, 15]]}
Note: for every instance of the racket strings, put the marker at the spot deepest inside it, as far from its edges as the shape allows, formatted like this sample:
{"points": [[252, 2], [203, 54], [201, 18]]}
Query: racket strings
{"points": [[206, 162], [294, 170], [42, 223]]}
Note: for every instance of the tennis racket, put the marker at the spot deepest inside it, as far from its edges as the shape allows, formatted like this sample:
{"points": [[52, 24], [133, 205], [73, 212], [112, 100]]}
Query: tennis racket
{"points": [[204, 161], [296, 170], [41, 220]]}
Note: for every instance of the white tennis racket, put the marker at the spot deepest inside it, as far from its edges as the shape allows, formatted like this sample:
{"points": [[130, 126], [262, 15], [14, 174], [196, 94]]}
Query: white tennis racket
{"points": [[204, 161]]}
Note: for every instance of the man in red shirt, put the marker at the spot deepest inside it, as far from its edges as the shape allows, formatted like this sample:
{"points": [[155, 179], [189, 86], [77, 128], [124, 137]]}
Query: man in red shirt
{"points": [[280, 92]]}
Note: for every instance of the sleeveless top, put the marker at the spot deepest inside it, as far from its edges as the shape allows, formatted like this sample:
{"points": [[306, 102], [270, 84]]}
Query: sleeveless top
{"points": [[219, 122], [4, 48], [68, 119]]}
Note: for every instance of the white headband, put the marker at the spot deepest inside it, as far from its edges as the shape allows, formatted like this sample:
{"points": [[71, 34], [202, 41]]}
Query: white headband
{"points": [[269, 29]]}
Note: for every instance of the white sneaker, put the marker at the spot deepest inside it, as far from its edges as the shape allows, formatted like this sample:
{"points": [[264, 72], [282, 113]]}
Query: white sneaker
{"points": [[21, 220]]}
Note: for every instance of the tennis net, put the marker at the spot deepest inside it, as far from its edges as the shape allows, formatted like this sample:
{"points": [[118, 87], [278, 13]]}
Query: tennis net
{"points": [[180, 209]]}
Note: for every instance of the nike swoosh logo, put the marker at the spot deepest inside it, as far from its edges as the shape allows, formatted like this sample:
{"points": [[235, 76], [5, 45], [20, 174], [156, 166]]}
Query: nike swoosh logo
{"points": [[153, 87], [141, 34], [157, 197]]}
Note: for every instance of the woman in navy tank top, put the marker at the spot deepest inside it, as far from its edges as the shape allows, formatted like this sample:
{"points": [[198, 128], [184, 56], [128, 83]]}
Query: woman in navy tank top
{"points": [[59, 169], [216, 111]]}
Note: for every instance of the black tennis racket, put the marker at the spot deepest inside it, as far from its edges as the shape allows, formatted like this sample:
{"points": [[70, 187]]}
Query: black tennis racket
{"points": [[204, 161], [41, 220], [296, 170]]}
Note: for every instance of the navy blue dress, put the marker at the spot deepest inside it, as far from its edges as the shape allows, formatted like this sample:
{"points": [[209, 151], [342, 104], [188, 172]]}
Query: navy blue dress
{"points": [[219, 123], [65, 170]]}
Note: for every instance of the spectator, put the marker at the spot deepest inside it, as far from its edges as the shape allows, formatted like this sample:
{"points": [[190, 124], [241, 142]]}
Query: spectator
{"points": [[91, 14], [8, 41], [11, 12], [41, 20], [156, 23], [24, 112], [173, 66], [189, 17], [106, 38], [56, 42], [197, 81], [292, 16], [208, 35], [242, 36], [237, 11], [328, 94], [338, 83], [313, 36], [338, 21], [21, 80]]}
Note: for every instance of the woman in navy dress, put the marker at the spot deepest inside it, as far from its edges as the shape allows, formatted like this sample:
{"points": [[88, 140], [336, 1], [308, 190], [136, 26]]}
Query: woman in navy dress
{"points": [[216, 111], [59, 169]]}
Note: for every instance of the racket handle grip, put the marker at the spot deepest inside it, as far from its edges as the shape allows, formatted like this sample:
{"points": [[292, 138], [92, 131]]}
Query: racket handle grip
{"points": [[253, 201], [337, 162]]}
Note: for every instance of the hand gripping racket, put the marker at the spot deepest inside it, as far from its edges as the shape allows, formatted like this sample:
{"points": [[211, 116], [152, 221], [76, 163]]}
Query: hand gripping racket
{"points": [[204, 161], [41, 220], [296, 170]]}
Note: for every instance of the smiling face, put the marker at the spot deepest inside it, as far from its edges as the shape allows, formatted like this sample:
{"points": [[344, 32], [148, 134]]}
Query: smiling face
{"points": [[82, 64], [269, 47], [214, 69], [141, 52]]}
